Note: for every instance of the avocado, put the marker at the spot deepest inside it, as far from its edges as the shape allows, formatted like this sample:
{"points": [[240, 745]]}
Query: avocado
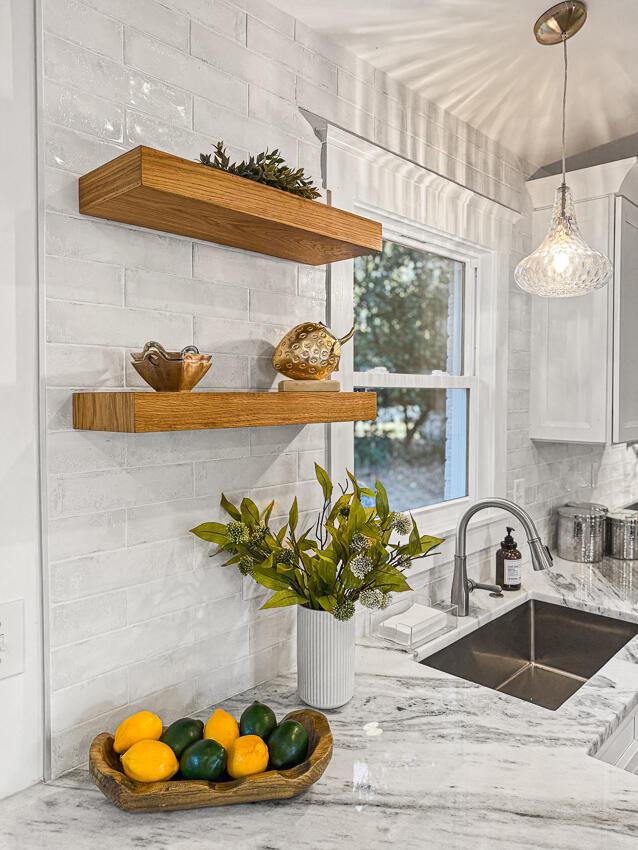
{"points": [[288, 745], [181, 734], [203, 760], [258, 719]]}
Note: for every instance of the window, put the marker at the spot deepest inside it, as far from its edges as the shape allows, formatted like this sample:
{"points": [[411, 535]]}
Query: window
{"points": [[409, 346]]}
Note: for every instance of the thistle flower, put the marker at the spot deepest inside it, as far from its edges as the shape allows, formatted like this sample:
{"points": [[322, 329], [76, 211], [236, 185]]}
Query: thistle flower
{"points": [[246, 565], [343, 610], [371, 598], [360, 543], [360, 566], [238, 532], [385, 600], [401, 523], [287, 557], [403, 561]]}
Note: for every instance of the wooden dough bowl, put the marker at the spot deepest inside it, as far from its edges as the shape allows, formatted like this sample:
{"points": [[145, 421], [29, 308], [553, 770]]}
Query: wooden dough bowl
{"points": [[132, 796]]}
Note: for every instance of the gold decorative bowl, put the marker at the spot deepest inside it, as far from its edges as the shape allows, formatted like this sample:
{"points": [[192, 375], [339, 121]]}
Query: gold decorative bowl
{"points": [[170, 371]]}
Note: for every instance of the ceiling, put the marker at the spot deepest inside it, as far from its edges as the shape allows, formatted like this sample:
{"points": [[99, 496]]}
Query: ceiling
{"points": [[479, 59]]}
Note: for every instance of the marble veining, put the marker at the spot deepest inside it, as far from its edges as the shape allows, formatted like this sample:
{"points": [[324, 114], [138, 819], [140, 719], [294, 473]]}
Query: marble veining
{"points": [[422, 759]]}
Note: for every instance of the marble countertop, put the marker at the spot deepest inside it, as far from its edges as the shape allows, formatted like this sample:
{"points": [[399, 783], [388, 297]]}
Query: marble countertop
{"points": [[451, 764]]}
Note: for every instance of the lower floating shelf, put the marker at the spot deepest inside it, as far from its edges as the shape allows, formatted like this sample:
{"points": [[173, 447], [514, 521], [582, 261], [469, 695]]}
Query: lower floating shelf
{"points": [[146, 412]]}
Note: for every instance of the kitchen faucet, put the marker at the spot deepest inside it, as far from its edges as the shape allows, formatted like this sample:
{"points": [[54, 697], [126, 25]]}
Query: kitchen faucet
{"points": [[462, 586]]}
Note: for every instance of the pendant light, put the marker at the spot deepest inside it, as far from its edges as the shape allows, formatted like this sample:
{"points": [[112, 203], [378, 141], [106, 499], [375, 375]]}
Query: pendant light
{"points": [[563, 265]]}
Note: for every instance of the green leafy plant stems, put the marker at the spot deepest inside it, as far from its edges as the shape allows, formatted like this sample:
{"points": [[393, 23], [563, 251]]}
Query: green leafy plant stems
{"points": [[354, 555], [268, 167]]}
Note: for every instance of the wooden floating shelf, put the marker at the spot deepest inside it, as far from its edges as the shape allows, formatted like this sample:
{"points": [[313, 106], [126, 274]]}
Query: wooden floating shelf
{"points": [[146, 412], [150, 188]]}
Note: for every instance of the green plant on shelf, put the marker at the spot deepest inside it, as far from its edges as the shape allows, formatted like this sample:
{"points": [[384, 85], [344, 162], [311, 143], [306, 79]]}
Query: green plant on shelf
{"points": [[352, 553], [268, 167]]}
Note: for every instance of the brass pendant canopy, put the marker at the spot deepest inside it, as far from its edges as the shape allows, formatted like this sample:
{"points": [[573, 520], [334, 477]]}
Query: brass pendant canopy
{"points": [[560, 22]]}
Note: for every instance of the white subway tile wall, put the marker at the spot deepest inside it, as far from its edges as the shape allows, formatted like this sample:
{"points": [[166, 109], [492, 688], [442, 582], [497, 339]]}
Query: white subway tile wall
{"points": [[140, 615]]}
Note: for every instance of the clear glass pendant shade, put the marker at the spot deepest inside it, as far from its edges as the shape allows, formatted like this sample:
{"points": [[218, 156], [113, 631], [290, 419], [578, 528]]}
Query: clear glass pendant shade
{"points": [[563, 265]]}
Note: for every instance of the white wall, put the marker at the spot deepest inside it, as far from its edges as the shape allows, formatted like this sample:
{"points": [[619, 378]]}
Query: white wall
{"points": [[20, 695]]}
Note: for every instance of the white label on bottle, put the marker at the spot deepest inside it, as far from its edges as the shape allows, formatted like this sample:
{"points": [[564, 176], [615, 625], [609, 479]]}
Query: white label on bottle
{"points": [[512, 572]]}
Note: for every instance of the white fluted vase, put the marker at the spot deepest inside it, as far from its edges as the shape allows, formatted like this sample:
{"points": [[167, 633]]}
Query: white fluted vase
{"points": [[325, 658]]}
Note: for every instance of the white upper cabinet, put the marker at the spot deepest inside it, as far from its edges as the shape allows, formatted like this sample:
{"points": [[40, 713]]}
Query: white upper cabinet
{"points": [[583, 387]]}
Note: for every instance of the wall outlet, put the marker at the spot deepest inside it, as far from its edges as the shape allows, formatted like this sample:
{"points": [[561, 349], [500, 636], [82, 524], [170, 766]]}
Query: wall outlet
{"points": [[518, 491], [11, 638]]}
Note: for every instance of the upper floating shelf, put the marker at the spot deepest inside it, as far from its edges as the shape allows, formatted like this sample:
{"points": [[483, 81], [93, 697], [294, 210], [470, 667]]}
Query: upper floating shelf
{"points": [[150, 188]]}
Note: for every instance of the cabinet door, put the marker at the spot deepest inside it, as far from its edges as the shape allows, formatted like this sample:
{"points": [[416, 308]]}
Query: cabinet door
{"points": [[570, 392], [625, 406]]}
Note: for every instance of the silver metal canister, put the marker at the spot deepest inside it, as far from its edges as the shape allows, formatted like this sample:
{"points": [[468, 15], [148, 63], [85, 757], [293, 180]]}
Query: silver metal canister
{"points": [[622, 535], [581, 532]]}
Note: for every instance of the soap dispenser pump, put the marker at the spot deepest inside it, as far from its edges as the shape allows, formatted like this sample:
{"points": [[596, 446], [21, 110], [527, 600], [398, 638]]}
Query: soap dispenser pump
{"points": [[508, 563]]}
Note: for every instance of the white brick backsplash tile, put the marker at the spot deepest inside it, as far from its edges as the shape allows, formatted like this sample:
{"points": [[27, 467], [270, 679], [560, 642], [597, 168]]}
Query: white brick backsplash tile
{"points": [[227, 372], [119, 488], [231, 337], [85, 112], [69, 748], [84, 451], [87, 659], [85, 618], [80, 703], [243, 269], [76, 280], [307, 460], [277, 308], [84, 366], [185, 295], [265, 11], [80, 535], [323, 102], [168, 594], [262, 374], [151, 16], [358, 92], [233, 58], [223, 614], [187, 446], [213, 476], [272, 43], [60, 190], [73, 66], [167, 520], [147, 130], [333, 52], [269, 631], [187, 72], [75, 152], [270, 108], [75, 21], [241, 131], [172, 668], [59, 410], [85, 239], [93, 324], [287, 438], [120, 568], [218, 14], [312, 282]]}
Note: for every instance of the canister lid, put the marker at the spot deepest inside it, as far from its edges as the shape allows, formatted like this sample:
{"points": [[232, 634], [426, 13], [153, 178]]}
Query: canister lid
{"points": [[623, 515], [588, 507]]}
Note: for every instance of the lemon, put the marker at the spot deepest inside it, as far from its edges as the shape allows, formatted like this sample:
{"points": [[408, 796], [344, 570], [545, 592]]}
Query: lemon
{"points": [[150, 761], [222, 727], [141, 726], [247, 755]]}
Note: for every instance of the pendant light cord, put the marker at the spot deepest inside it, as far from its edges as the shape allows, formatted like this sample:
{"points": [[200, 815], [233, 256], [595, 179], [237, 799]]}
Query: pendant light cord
{"points": [[564, 118]]}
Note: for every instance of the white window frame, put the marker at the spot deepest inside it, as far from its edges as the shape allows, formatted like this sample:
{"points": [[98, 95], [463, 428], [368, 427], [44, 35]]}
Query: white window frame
{"points": [[410, 202]]}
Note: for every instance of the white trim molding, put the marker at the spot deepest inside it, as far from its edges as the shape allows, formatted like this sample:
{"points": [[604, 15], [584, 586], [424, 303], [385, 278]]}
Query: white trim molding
{"points": [[424, 209]]}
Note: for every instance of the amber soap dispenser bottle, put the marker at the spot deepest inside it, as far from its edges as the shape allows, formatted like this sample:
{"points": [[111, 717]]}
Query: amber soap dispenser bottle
{"points": [[508, 563]]}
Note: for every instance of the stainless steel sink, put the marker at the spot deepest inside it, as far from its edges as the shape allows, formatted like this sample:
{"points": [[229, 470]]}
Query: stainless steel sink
{"points": [[537, 652]]}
